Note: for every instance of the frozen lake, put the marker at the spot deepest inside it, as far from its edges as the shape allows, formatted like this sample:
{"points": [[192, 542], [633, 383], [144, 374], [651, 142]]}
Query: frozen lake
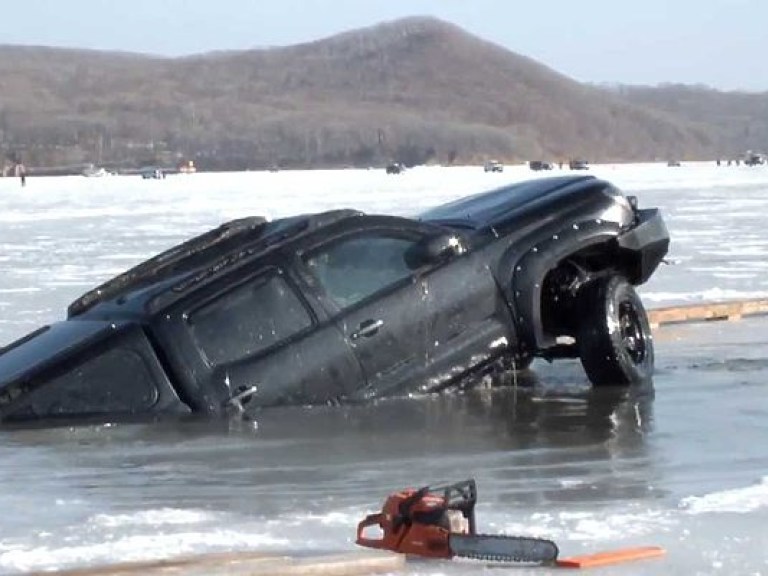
{"points": [[686, 469]]}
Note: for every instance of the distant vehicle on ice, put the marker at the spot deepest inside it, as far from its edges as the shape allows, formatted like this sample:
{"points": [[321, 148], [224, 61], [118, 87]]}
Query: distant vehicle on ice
{"points": [[493, 166], [540, 165], [395, 168], [578, 165], [754, 159], [94, 172], [151, 172], [674, 164]]}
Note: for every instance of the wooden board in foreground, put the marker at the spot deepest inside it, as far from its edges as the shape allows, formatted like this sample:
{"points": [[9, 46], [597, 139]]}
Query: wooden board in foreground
{"points": [[734, 310], [612, 557], [248, 564]]}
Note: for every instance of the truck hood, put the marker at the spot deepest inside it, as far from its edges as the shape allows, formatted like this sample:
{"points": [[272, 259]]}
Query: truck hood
{"points": [[489, 207]]}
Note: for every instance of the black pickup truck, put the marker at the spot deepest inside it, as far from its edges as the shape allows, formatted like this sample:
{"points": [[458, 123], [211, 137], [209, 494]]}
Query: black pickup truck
{"points": [[342, 306]]}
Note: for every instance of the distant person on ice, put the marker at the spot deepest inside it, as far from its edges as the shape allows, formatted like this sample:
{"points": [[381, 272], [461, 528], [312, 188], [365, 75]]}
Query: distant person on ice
{"points": [[21, 172]]}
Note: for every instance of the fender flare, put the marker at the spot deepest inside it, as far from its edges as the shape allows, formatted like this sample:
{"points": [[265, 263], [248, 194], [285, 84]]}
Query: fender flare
{"points": [[524, 266]]}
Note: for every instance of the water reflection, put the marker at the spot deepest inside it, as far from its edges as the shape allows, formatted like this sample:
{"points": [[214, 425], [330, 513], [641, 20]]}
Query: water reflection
{"points": [[530, 444]]}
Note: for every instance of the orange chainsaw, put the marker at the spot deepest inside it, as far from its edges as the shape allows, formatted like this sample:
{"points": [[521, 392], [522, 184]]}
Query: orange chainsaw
{"points": [[439, 522]]}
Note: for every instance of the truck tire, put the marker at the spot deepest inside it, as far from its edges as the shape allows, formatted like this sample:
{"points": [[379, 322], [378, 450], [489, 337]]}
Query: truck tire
{"points": [[615, 341]]}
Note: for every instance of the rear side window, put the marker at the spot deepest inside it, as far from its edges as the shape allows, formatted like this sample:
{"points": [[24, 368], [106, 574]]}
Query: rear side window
{"points": [[115, 382], [248, 319]]}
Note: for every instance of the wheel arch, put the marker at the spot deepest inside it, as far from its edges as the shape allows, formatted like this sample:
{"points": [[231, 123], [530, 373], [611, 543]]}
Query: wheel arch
{"points": [[526, 266]]}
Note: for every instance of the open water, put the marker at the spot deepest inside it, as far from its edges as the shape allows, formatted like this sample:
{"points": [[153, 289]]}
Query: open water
{"points": [[685, 468]]}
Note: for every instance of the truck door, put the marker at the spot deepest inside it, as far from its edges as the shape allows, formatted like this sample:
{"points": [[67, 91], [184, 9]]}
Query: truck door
{"points": [[377, 302], [261, 344], [470, 322], [413, 326]]}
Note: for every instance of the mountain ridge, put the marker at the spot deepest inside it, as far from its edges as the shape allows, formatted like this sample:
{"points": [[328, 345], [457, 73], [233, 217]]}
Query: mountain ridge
{"points": [[416, 90]]}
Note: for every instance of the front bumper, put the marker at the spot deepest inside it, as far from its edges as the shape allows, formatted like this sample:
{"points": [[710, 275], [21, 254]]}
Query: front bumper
{"points": [[647, 241]]}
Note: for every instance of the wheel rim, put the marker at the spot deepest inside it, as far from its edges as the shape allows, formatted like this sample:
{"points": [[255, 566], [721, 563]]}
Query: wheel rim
{"points": [[632, 333]]}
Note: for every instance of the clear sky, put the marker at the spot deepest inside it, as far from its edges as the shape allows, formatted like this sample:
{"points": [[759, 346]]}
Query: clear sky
{"points": [[720, 43]]}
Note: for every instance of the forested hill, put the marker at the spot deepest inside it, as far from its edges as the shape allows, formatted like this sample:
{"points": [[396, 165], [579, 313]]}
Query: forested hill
{"points": [[417, 90], [738, 120]]}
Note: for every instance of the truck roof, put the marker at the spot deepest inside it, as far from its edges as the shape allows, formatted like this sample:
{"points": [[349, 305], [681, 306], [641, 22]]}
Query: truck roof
{"points": [[247, 237], [254, 234]]}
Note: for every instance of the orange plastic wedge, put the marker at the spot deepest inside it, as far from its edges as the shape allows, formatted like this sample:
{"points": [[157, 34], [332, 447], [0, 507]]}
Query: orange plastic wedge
{"points": [[612, 557]]}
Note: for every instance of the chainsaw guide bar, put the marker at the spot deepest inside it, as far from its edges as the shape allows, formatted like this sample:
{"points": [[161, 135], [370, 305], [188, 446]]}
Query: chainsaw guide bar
{"points": [[499, 548]]}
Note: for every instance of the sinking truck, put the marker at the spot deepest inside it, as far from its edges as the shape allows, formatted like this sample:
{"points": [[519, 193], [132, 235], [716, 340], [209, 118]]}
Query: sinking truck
{"points": [[342, 306]]}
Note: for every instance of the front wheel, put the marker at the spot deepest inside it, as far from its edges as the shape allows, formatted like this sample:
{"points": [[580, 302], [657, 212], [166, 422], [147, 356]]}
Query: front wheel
{"points": [[614, 339]]}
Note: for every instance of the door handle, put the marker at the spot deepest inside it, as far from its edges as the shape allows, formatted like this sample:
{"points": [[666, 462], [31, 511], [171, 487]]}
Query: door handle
{"points": [[367, 328]]}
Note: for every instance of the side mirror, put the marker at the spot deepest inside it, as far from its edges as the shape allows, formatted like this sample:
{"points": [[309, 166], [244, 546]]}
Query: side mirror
{"points": [[435, 249]]}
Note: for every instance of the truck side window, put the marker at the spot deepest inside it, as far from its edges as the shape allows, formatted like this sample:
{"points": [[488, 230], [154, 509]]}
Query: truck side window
{"points": [[115, 382], [248, 319], [354, 268]]}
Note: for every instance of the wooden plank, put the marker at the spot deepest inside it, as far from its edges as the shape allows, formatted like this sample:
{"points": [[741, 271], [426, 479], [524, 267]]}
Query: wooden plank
{"points": [[731, 310], [247, 563], [336, 566], [165, 565], [612, 557]]}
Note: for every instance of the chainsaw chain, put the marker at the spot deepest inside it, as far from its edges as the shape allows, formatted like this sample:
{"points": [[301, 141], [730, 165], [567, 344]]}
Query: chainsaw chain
{"points": [[521, 558]]}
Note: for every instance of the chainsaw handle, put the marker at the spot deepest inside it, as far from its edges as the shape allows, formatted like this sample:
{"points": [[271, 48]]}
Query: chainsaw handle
{"points": [[368, 521]]}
